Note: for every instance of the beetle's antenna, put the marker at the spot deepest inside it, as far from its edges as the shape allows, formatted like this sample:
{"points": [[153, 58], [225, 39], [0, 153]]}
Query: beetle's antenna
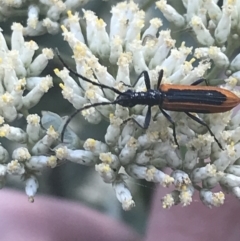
{"points": [[81, 109], [84, 78]]}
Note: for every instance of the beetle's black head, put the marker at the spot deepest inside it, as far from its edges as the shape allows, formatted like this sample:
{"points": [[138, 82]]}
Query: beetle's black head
{"points": [[125, 99]]}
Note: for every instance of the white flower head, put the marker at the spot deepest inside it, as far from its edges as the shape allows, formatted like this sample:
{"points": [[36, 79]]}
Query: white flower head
{"points": [[138, 78]]}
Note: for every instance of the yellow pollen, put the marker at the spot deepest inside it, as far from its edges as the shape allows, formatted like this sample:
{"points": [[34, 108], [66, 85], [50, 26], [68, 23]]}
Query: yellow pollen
{"points": [[69, 13], [62, 86]]}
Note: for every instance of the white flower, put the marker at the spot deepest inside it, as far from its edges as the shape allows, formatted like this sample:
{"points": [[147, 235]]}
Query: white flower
{"points": [[123, 194], [108, 64], [15, 168], [142, 153], [31, 188]]}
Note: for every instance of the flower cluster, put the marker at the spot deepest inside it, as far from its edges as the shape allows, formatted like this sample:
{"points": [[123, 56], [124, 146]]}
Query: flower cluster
{"points": [[199, 164], [21, 88], [52, 10]]}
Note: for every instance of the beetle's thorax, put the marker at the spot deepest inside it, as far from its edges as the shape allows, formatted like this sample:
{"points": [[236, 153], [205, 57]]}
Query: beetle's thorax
{"points": [[131, 98]]}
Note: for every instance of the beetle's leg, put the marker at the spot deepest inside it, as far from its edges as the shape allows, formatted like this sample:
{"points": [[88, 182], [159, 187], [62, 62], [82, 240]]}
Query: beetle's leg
{"points": [[147, 118], [134, 120], [146, 79], [199, 81], [173, 124], [198, 120], [160, 75], [146, 122]]}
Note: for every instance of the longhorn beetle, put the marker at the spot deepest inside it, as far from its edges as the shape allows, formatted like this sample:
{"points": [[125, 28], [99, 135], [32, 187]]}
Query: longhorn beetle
{"points": [[180, 98]]}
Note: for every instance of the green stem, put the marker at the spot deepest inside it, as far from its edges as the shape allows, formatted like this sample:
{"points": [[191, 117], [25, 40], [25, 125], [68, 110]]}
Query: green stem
{"points": [[24, 112], [212, 75]]}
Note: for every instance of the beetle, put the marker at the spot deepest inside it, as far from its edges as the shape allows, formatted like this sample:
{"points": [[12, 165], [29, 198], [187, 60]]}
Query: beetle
{"points": [[179, 98]]}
